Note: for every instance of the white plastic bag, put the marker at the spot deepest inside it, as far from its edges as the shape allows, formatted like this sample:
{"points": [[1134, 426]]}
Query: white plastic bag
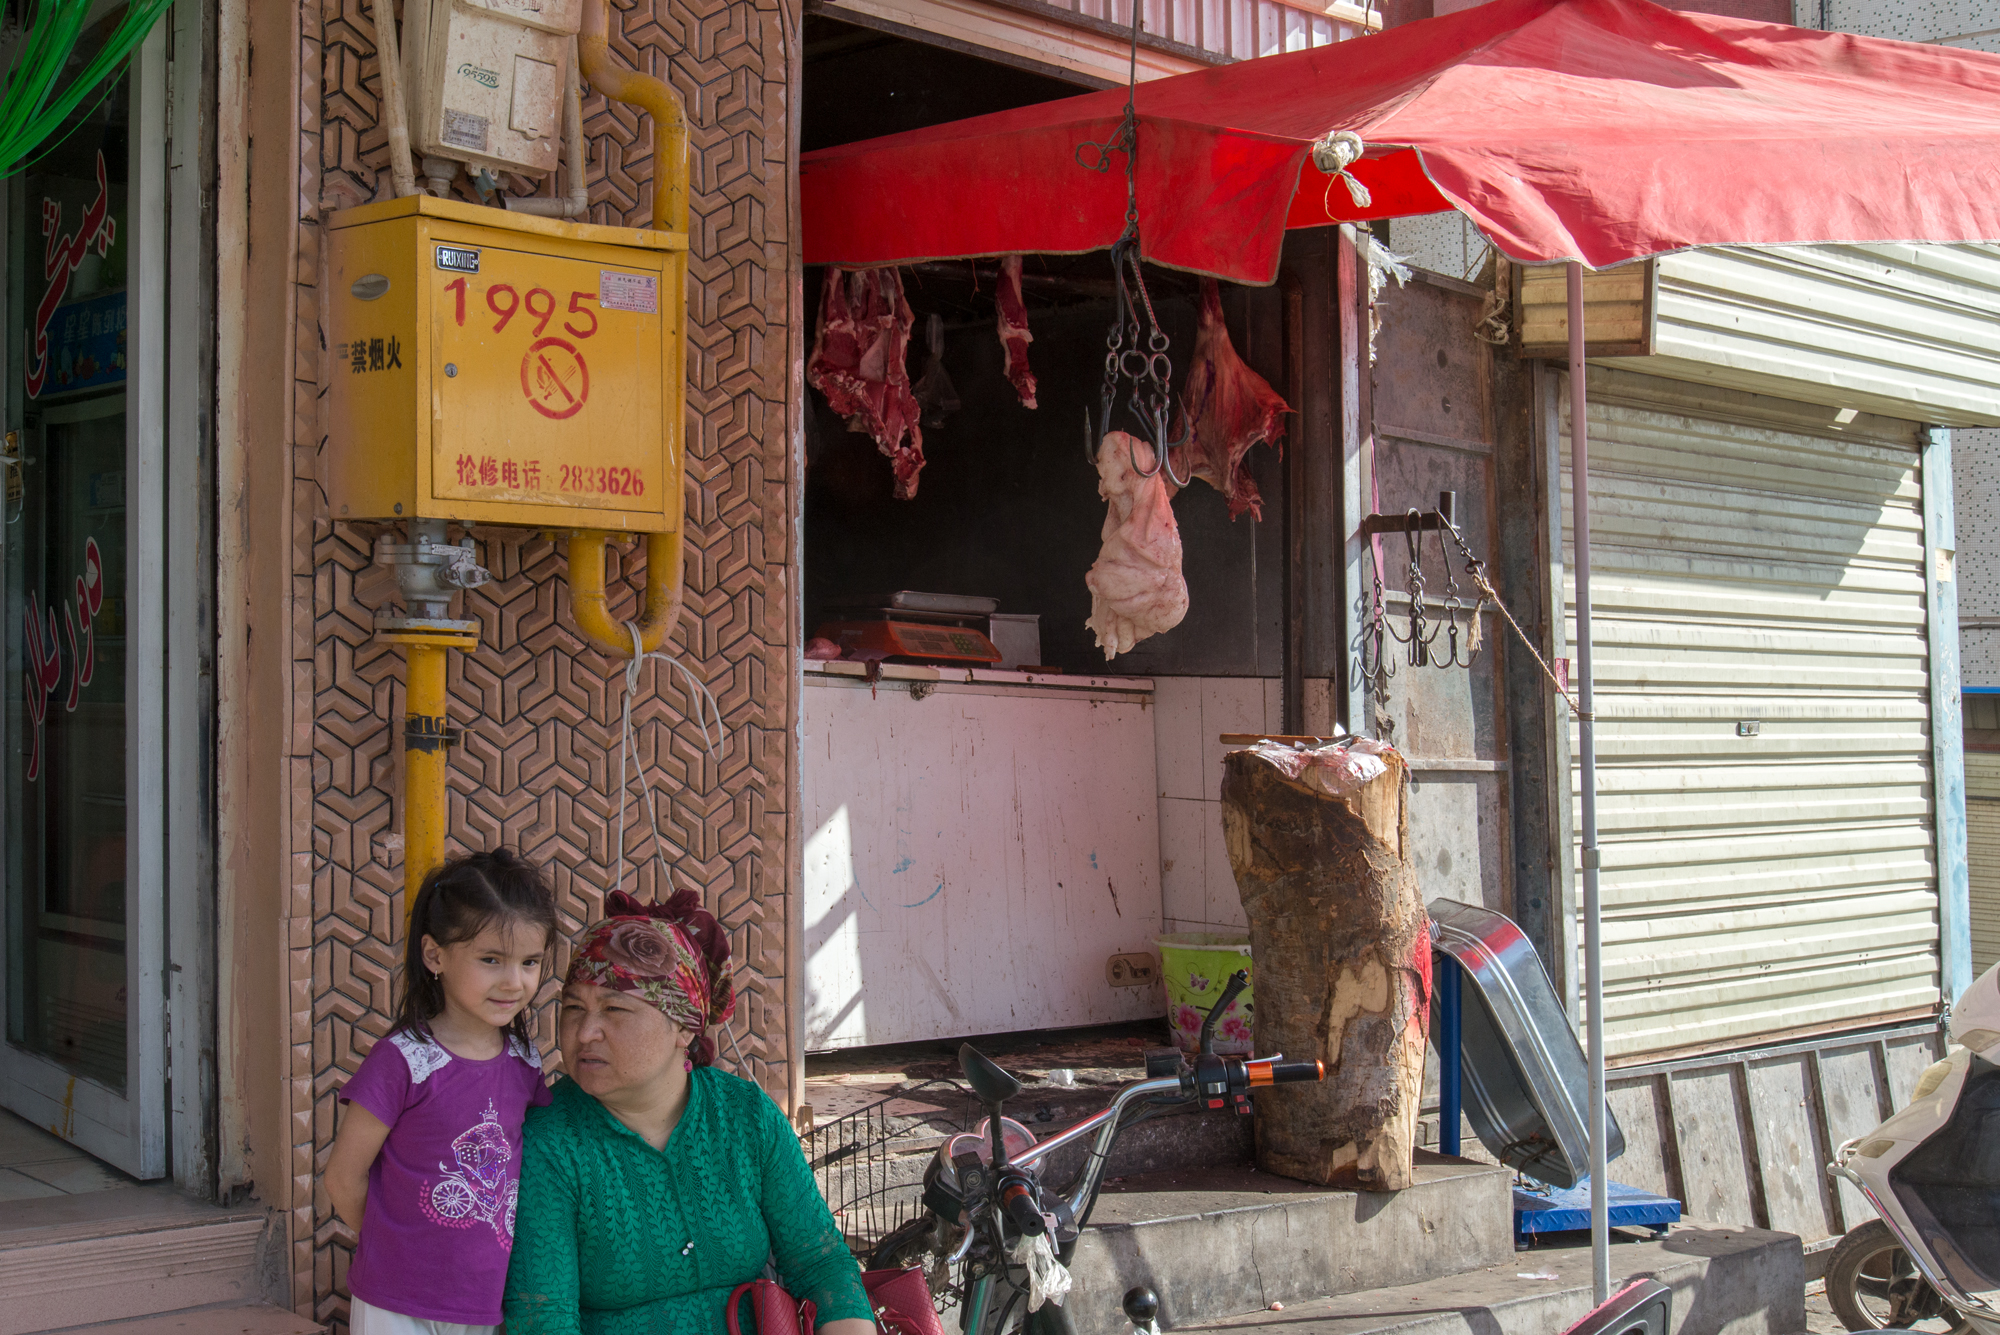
{"points": [[1048, 1278]]}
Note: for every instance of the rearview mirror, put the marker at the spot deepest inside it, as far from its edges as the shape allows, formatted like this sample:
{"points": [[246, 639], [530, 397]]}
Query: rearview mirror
{"points": [[988, 1081]]}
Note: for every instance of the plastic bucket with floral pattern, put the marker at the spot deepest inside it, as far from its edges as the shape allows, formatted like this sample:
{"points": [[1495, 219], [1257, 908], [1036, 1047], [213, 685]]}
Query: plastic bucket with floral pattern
{"points": [[1196, 967]]}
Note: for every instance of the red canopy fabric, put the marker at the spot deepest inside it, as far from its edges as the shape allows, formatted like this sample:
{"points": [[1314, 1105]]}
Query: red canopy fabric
{"points": [[1599, 130]]}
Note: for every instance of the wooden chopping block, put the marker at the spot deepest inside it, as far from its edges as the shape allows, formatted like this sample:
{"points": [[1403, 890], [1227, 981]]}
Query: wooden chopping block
{"points": [[1341, 940]]}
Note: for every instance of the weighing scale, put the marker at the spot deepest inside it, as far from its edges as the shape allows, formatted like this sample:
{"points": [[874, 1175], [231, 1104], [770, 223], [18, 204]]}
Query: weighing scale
{"points": [[915, 628]]}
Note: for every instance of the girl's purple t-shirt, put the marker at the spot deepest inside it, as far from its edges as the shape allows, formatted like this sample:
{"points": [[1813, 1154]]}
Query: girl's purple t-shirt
{"points": [[439, 1224]]}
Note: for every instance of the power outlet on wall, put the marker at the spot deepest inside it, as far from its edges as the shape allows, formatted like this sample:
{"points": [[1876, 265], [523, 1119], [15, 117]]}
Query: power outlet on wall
{"points": [[1131, 970]]}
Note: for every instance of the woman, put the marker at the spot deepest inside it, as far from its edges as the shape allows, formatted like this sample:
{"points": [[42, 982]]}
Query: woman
{"points": [[653, 1184]]}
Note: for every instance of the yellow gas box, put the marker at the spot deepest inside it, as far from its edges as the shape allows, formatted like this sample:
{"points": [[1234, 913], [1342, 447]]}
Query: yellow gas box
{"points": [[497, 368]]}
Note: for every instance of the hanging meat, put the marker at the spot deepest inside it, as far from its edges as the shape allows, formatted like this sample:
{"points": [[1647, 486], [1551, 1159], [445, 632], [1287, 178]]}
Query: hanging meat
{"points": [[936, 395], [1233, 407], [1014, 335], [1136, 587], [859, 361]]}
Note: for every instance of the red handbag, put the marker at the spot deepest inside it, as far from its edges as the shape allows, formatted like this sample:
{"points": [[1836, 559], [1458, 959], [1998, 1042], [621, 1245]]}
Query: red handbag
{"points": [[901, 1299], [902, 1302]]}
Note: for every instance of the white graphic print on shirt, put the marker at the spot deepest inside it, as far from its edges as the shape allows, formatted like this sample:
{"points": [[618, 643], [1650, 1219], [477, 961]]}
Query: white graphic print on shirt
{"points": [[479, 1190], [424, 1055]]}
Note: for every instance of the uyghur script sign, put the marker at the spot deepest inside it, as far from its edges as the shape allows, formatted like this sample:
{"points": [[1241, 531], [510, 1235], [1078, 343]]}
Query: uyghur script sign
{"points": [[60, 262], [44, 652]]}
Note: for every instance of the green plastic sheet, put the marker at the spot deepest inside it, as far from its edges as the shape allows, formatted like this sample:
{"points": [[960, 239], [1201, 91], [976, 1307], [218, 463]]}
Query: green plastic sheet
{"points": [[32, 106]]}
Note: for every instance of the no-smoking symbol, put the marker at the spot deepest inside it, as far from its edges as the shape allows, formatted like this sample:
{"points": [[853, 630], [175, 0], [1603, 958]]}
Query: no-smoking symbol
{"points": [[554, 378]]}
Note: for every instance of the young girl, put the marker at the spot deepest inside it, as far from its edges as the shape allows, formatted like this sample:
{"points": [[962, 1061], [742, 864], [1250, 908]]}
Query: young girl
{"points": [[424, 1166]]}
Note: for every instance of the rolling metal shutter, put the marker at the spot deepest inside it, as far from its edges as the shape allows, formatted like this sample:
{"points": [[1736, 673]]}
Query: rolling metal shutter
{"points": [[1764, 755], [1982, 828]]}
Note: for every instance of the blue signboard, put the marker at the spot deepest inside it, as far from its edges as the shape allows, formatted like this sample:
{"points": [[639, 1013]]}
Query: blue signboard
{"points": [[87, 344]]}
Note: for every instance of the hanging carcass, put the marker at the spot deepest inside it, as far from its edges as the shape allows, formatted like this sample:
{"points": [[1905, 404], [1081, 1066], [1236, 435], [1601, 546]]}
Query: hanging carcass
{"points": [[859, 361], [1014, 335], [1233, 408], [1136, 588]]}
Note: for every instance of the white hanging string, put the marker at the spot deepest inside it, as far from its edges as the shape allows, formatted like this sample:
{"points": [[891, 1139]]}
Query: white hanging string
{"points": [[628, 745]]}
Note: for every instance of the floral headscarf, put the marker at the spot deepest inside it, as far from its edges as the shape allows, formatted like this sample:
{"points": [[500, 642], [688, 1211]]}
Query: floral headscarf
{"points": [[674, 955]]}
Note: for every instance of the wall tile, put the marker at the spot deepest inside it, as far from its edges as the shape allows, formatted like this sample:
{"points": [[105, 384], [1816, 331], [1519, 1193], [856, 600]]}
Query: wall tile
{"points": [[1228, 704], [1177, 735], [1183, 858], [1225, 905]]}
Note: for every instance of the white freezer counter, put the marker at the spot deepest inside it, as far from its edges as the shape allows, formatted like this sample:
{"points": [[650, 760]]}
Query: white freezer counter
{"points": [[978, 845]]}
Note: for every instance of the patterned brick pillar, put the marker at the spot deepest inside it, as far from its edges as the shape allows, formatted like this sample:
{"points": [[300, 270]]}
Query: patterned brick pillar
{"points": [[539, 766]]}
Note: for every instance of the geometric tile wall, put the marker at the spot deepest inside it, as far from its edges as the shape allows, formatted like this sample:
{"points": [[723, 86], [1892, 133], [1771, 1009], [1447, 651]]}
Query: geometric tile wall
{"points": [[538, 767]]}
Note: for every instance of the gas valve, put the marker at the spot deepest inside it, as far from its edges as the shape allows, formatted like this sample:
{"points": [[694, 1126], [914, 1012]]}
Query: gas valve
{"points": [[429, 570]]}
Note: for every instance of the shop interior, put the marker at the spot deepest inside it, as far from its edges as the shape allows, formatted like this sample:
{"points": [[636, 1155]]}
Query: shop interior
{"points": [[1007, 505], [984, 843]]}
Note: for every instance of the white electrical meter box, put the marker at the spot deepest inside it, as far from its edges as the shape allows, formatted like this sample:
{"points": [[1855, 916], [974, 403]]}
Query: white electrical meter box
{"points": [[485, 80]]}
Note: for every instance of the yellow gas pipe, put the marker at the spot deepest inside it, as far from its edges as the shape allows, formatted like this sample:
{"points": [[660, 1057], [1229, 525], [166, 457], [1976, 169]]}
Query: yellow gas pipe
{"points": [[590, 609], [427, 737], [662, 605], [426, 732], [656, 99]]}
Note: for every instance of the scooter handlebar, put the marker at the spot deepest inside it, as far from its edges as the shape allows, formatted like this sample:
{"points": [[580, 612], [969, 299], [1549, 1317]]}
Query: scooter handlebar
{"points": [[1022, 1212], [1289, 1073]]}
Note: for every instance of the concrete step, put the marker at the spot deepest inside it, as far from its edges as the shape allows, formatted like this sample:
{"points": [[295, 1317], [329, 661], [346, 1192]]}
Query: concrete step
{"points": [[1220, 1241], [1726, 1281], [235, 1319], [126, 1253]]}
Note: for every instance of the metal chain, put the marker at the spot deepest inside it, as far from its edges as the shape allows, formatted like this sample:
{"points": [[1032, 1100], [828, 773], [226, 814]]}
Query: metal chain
{"points": [[1455, 655], [1133, 352], [1372, 660], [1420, 635]]}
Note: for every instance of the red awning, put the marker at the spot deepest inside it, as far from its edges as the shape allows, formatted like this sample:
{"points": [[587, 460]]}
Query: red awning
{"points": [[1600, 130]]}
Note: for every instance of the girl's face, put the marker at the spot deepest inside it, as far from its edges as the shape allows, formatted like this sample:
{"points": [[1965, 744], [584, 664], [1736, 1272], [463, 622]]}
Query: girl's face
{"points": [[492, 976], [613, 1042]]}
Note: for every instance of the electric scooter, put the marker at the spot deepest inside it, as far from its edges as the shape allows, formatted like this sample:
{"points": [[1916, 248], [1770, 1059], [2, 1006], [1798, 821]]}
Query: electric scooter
{"points": [[1932, 1172]]}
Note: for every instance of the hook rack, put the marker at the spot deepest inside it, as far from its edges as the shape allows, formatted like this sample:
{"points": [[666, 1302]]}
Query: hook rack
{"points": [[1444, 517]]}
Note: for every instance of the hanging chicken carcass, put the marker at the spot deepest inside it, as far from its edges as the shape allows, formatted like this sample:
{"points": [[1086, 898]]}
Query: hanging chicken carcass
{"points": [[1136, 588], [1014, 335], [1233, 408], [860, 362]]}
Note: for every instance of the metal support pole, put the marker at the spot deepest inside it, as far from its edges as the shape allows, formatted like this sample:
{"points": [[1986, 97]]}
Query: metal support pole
{"points": [[425, 760], [429, 570], [1450, 1056], [1593, 924]]}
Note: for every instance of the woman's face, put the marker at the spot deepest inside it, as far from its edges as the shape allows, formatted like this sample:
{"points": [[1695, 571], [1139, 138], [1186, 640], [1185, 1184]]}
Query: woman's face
{"points": [[614, 1042]]}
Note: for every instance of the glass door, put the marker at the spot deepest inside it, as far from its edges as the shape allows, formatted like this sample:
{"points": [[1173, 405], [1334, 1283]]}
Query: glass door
{"points": [[82, 1049]]}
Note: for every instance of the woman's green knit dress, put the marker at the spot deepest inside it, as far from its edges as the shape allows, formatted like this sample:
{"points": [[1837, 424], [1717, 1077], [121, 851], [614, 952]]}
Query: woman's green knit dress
{"points": [[614, 1237]]}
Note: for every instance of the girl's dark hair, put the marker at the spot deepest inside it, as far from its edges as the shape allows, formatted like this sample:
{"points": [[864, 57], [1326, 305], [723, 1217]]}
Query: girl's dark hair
{"points": [[458, 901]]}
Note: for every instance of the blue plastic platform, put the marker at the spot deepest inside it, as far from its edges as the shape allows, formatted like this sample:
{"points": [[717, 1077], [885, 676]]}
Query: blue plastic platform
{"points": [[1543, 1209]]}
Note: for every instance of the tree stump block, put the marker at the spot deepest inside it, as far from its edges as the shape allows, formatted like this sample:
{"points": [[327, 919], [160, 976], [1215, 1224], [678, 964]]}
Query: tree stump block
{"points": [[1341, 941]]}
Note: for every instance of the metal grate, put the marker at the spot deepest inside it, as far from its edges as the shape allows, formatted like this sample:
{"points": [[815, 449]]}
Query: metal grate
{"points": [[869, 1164]]}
